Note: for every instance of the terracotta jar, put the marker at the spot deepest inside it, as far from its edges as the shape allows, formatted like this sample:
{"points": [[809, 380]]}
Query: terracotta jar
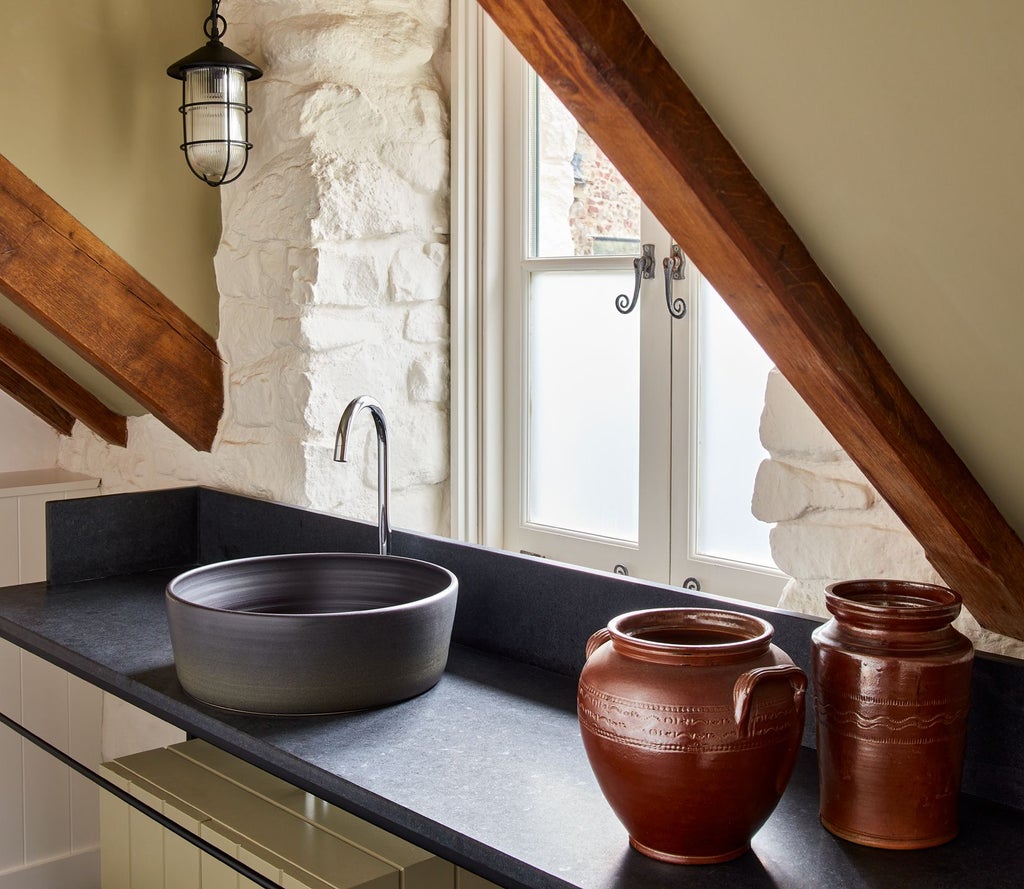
{"points": [[892, 684], [692, 721]]}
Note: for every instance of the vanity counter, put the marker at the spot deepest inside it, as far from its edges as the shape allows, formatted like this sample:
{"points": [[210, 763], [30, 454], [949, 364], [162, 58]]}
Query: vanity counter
{"points": [[487, 769]]}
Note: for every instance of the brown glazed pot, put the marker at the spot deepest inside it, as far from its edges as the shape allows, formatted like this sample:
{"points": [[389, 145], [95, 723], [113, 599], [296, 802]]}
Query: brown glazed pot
{"points": [[892, 685], [692, 721]]}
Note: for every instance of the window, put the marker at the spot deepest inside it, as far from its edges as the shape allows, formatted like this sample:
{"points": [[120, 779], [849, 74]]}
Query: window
{"points": [[627, 441]]}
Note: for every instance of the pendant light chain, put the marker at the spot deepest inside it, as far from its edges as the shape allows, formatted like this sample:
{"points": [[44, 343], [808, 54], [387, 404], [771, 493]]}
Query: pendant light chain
{"points": [[212, 26]]}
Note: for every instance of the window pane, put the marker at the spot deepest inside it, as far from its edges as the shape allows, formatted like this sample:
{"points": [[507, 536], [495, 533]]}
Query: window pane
{"points": [[579, 204], [584, 413], [733, 373]]}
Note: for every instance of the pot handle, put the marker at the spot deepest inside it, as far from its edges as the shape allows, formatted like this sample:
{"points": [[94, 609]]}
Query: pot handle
{"points": [[597, 640], [743, 690]]}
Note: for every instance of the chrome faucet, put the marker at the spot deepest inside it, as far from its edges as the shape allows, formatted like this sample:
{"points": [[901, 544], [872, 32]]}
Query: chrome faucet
{"points": [[341, 443]]}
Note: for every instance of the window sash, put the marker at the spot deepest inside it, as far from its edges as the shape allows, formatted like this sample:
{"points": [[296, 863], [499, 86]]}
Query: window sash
{"points": [[490, 270]]}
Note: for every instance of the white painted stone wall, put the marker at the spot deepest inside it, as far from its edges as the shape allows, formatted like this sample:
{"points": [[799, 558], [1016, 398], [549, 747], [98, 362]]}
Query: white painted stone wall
{"points": [[830, 523], [332, 268]]}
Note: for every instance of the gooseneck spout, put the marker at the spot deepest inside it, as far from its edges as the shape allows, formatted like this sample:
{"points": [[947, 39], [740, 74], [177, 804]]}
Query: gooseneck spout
{"points": [[341, 446]]}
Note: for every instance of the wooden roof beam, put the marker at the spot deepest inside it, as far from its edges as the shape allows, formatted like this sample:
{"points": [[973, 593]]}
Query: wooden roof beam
{"points": [[84, 293], [50, 382], [600, 63]]}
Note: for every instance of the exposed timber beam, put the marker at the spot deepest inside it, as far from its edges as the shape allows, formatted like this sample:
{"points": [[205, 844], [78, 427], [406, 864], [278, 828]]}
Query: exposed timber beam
{"points": [[599, 62], [37, 401], [62, 275], [20, 358]]}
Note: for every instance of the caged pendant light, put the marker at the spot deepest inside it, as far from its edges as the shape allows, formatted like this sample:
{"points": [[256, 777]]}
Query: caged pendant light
{"points": [[214, 105]]}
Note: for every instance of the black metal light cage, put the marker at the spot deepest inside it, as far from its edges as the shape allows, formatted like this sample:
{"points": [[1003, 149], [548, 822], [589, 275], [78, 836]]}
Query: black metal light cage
{"points": [[215, 57]]}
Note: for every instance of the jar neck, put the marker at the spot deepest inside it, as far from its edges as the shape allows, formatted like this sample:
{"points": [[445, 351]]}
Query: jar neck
{"points": [[889, 611]]}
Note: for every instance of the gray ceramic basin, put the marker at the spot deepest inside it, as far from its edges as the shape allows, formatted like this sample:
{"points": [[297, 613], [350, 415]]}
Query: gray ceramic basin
{"points": [[311, 633]]}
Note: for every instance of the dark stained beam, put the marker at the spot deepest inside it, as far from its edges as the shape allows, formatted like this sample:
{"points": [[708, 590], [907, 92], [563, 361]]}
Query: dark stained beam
{"points": [[598, 61], [45, 377], [84, 293]]}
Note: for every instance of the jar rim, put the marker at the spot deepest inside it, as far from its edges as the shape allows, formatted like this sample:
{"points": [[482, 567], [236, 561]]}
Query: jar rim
{"points": [[884, 598], [635, 633]]}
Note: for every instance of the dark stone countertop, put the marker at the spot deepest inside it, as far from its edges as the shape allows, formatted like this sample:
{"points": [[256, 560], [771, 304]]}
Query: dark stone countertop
{"points": [[487, 769]]}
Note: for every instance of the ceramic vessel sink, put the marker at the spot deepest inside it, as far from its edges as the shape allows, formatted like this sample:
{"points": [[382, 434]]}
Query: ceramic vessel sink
{"points": [[311, 633]]}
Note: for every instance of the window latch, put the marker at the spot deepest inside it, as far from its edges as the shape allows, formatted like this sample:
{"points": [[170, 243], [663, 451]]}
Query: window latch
{"points": [[675, 266], [643, 267]]}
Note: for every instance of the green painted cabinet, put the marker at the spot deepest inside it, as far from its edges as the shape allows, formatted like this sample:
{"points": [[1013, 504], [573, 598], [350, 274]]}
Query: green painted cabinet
{"points": [[280, 831]]}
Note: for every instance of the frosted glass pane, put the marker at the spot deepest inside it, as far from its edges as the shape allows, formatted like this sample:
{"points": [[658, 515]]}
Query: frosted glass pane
{"points": [[733, 373], [584, 398], [579, 203]]}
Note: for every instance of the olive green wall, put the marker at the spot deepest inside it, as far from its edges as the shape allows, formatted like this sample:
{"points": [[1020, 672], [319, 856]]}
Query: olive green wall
{"points": [[891, 135], [88, 112]]}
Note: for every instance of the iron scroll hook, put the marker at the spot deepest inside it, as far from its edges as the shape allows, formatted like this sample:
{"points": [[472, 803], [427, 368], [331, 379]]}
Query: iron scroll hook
{"points": [[643, 267], [674, 265]]}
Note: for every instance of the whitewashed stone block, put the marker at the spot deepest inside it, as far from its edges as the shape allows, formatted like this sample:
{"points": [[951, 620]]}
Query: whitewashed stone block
{"points": [[420, 272], [287, 329], [256, 273], [427, 324], [365, 199], [421, 434], [841, 547], [428, 378], [340, 329], [254, 395], [353, 274], [251, 327], [788, 426], [351, 49], [783, 492]]}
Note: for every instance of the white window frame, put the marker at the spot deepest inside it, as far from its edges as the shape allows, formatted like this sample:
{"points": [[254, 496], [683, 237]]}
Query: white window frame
{"points": [[477, 245], [479, 318]]}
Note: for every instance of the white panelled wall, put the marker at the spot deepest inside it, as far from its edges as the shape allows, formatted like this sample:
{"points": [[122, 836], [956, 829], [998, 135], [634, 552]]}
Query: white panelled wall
{"points": [[23, 499], [49, 814], [48, 826], [49, 831]]}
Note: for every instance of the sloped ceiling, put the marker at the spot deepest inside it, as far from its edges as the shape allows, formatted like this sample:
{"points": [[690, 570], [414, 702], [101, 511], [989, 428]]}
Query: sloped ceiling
{"points": [[891, 136]]}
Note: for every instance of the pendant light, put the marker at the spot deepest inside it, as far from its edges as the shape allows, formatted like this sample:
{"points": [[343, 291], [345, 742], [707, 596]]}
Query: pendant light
{"points": [[214, 105]]}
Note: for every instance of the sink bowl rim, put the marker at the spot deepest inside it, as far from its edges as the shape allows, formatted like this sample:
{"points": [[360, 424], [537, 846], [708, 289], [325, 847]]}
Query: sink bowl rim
{"points": [[421, 602]]}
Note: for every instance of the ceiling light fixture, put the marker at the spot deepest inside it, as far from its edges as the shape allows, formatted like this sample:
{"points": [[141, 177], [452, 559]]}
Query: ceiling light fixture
{"points": [[215, 105]]}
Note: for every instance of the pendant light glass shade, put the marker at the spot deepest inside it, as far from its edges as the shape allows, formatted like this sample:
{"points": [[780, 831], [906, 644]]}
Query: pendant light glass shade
{"points": [[216, 133], [214, 106]]}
